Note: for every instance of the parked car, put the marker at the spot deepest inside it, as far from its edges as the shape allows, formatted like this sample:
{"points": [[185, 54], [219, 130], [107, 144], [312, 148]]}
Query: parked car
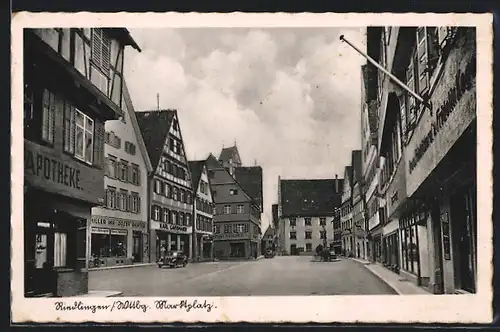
{"points": [[269, 253], [173, 259]]}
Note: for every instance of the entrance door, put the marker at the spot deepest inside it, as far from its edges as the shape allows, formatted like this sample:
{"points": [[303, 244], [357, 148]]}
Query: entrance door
{"points": [[463, 231], [43, 274], [136, 246], [293, 249]]}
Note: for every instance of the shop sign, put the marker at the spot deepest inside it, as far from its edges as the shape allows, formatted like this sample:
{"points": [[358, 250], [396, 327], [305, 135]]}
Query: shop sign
{"points": [[445, 223], [162, 226], [99, 230], [117, 222], [454, 109], [228, 236], [118, 232], [61, 174]]}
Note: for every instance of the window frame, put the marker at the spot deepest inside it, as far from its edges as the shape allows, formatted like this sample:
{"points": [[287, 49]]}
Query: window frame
{"points": [[85, 117]]}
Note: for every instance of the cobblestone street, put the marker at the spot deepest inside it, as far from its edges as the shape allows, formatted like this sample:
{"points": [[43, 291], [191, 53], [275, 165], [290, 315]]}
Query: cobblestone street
{"points": [[278, 276]]}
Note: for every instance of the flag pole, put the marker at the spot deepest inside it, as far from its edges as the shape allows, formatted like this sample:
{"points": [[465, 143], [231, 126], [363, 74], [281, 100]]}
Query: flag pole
{"points": [[385, 71]]}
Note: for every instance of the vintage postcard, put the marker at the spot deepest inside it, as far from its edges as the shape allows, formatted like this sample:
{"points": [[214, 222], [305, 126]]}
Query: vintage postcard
{"points": [[251, 167]]}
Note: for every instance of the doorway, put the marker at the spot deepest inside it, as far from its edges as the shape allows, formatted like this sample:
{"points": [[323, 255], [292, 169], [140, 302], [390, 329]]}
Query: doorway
{"points": [[463, 216], [293, 250], [137, 246]]}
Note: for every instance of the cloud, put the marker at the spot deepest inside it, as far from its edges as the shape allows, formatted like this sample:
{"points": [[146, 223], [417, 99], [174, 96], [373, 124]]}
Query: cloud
{"points": [[290, 98]]}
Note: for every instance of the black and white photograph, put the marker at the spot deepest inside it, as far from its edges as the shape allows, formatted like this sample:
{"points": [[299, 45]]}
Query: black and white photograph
{"points": [[187, 166]]}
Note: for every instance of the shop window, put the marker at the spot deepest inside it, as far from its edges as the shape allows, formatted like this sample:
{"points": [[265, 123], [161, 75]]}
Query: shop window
{"points": [[308, 246], [60, 246]]}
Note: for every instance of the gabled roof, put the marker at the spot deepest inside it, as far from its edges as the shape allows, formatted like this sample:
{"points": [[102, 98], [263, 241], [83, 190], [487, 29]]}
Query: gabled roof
{"points": [[196, 168], [250, 179], [356, 166], [229, 153], [133, 119], [269, 231], [213, 164], [155, 126], [308, 197]]}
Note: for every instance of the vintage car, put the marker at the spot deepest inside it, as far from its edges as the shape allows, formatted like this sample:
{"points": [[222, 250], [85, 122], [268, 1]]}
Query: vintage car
{"points": [[269, 253], [173, 259]]}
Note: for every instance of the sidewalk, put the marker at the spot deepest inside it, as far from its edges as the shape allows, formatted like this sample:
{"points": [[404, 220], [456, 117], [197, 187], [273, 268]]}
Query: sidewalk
{"points": [[120, 266], [393, 280]]}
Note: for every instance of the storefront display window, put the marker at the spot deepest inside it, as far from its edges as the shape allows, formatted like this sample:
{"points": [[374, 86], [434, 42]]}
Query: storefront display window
{"points": [[108, 243], [410, 241]]}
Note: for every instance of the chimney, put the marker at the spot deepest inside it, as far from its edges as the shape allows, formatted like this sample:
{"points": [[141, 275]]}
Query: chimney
{"points": [[336, 183]]}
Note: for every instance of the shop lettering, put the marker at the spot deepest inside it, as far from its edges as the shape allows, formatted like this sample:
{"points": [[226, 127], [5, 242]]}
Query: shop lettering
{"points": [[51, 169], [178, 228], [118, 222], [463, 82]]}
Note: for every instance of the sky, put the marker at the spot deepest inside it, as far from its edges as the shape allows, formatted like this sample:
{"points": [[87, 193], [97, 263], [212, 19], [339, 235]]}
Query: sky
{"points": [[288, 97]]}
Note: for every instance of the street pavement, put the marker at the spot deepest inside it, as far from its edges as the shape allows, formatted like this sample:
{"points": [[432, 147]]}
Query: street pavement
{"points": [[278, 276]]}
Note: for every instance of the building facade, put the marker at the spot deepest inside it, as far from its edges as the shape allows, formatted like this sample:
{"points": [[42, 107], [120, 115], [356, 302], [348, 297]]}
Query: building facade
{"points": [[171, 191], [118, 231], [268, 239], [346, 215], [237, 232], [72, 85], [428, 156], [307, 213], [358, 216], [203, 208]]}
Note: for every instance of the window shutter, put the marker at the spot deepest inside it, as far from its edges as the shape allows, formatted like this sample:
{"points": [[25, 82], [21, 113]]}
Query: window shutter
{"points": [[442, 34], [96, 46], [422, 60], [139, 176], [67, 127], [432, 48], [105, 49], [99, 144], [129, 172], [106, 198], [138, 204], [130, 205], [106, 166]]}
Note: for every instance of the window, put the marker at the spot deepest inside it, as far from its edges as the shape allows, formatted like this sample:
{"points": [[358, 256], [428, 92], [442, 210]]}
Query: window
{"points": [[111, 198], [217, 228], [293, 235], [308, 246], [227, 228], [48, 116], [322, 221], [124, 200], [101, 48], [155, 213], [214, 193], [135, 202], [60, 245], [307, 221], [110, 169], [293, 221], [227, 209], [84, 137], [124, 171], [308, 235], [135, 175], [175, 193], [189, 198], [240, 209], [69, 128], [182, 195], [130, 148], [188, 219], [322, 234], [157, 186], [233, 192], [202, 186], [174, 216]]}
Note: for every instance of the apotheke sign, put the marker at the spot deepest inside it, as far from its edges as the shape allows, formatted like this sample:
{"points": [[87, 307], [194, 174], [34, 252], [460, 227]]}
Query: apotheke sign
{"points": [[162, 226]]}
